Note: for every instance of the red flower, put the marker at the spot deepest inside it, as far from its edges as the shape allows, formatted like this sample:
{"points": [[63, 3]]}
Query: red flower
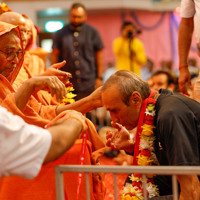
{"points": [[145, 152], [137, 184], [137, 175], [150, 180], [149, 119], [130, 194], [68, 84]]}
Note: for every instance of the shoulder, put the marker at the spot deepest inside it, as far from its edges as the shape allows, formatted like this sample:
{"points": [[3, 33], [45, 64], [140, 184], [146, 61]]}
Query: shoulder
{"points": [[90, 28], [118, 40], [187, 8], [62, 31], [173, 105], [138, 42]]}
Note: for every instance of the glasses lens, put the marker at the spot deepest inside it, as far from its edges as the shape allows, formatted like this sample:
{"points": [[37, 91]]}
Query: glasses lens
{"points": [[12, 55]]}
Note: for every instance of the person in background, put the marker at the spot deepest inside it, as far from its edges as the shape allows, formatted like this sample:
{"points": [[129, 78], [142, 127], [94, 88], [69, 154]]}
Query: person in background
{"points": [[29, 146], [163, 79], [81, 46], [190, 11], [129, 50]]}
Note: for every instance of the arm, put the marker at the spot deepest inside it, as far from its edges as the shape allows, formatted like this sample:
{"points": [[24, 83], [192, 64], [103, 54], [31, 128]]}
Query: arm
{"points": [[190, 187], [100, 68], [34, 84], [117, 45], [64, 132], [139, 53], [184, 43], [84, 105]]}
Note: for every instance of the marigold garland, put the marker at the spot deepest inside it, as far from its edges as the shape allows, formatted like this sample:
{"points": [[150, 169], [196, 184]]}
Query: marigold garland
{"points": [[4, 8], [70, 96], [145, 156]]}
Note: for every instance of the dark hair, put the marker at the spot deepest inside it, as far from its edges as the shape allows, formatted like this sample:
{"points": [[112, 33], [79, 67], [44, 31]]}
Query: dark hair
{"points": [[77, 5], [128, 82], [171, 78], [127, 23]]}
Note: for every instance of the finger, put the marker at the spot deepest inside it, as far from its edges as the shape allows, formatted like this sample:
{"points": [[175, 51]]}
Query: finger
{"points": [[54, 87], [58, 65], [60, 90], [108, 143], [62, 74], [109, 134], [183, 89], [116, 125]]}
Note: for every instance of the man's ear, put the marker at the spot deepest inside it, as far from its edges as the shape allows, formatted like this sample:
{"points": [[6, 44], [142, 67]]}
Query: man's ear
{"points": [[135, 99]]}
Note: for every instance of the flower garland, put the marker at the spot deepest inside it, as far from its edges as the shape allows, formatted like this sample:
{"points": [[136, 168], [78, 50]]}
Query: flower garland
{"points": [[70, 96], [143, 154], [4, 8]]}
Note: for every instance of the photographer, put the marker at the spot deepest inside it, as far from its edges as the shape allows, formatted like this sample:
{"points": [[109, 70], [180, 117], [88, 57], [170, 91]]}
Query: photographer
{"points": [[129, 50]]}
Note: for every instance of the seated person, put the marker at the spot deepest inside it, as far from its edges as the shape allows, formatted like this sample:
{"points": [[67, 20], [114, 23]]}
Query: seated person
{"points": [[29, 146], [33, 64], [163, 79], [21, 103]]}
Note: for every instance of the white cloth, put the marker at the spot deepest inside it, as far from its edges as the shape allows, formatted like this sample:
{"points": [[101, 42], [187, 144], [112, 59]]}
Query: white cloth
{"points": [[191, 8], [23, 147]]}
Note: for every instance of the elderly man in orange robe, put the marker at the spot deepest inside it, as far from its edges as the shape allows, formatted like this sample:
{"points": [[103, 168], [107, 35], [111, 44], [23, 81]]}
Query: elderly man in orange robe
{"points": [[33, 64], [21, 102]]}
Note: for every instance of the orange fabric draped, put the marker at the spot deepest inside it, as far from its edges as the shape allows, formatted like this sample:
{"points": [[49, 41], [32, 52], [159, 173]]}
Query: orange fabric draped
{"points": [[33, 65], [43, 186], [34, 112]]}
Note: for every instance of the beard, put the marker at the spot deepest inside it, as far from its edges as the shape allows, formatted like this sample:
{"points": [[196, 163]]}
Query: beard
{"points": [[76, 27]]}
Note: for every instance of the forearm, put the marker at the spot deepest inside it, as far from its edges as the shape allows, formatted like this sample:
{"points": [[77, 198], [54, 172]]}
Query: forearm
{"points": [[140, 58], [185, 38], [23, 94], [83, 105], [63, 137], [190, 187]]}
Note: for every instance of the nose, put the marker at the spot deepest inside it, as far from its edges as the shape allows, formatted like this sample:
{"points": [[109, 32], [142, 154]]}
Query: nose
{"points": [[155, 87], [24, 39], [15, 60], [114, 118]]}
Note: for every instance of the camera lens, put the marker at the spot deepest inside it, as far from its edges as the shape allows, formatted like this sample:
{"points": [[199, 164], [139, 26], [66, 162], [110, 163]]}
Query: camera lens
{"points": [[130, 34]]}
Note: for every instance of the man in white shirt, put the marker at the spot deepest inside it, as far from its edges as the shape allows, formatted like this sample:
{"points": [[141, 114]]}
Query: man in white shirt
{"points": [[190, 13], [24, 147]]}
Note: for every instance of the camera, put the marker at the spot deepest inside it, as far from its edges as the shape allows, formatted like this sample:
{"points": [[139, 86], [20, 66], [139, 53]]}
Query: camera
{"points": [[130, 34]]}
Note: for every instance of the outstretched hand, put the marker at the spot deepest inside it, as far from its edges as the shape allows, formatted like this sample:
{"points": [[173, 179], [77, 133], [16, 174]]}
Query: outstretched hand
{"points": [[120, 139], [50, 83], [95, 98], [53, 70], [184, 80]]}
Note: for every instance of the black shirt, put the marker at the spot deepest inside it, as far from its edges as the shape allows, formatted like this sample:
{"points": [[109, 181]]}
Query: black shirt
{"points": [[78, 48], [177, 130], [177, 133]]}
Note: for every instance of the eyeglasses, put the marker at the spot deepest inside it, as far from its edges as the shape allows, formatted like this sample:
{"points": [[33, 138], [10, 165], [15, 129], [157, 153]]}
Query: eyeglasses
{"points": [[11, 55]]}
